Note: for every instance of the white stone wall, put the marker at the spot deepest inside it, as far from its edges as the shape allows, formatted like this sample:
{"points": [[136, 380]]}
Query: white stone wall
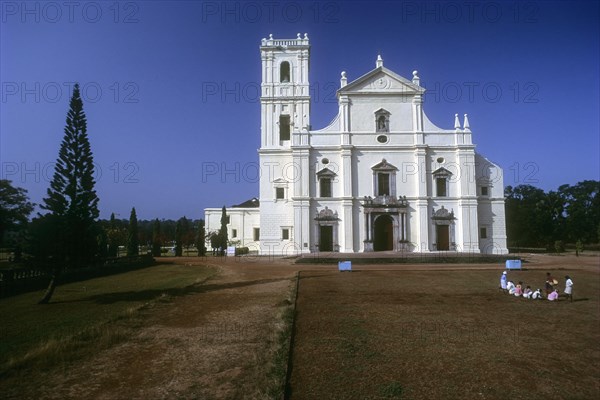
{"points": [[349, 147], [243, 220]]}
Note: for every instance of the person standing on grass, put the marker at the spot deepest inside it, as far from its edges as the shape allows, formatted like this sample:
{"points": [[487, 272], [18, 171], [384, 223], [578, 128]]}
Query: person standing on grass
{"points": [[568, 287], [503, 281]]}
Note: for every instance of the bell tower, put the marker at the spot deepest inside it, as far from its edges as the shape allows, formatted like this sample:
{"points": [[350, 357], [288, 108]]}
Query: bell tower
{"points": [[285, 98]]}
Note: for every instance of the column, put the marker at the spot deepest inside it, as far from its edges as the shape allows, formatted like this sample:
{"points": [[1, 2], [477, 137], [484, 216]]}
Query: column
{"points": [[348, 244]]}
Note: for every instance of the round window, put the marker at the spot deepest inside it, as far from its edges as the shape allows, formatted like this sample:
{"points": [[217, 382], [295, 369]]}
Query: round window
{"points": [[440, 160], [325, 161], [382, 139]]}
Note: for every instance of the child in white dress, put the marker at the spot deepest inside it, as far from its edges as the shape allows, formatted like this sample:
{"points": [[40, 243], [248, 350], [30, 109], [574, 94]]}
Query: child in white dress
{"points": [[568, 287], [510, 286]]}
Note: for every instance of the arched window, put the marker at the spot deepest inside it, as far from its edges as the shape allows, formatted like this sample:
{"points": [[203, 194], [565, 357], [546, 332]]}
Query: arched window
{"points": [[382, 120], [284, 72]]}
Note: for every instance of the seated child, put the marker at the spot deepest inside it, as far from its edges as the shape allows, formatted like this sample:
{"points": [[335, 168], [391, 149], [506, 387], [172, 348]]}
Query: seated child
{"points": [[519, 289], [527, 292], [554, 295], [510, 286], [537, 294]]}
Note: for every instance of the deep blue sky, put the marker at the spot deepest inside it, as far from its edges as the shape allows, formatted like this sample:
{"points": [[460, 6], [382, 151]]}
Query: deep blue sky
{"points": [[170, 87]]}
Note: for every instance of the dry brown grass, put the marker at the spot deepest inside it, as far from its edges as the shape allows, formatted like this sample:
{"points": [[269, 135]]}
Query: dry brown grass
{"points": [[223, 340], [442, 335]]}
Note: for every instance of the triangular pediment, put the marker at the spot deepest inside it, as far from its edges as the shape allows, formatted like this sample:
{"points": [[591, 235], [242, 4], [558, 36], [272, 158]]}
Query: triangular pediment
{"points": [[326, 172], [382, 80], [441, 172], [384, 166]]}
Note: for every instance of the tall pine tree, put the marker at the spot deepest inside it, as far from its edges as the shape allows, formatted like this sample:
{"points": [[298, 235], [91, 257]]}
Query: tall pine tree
{"points": [[223, 232], [133, 241], [72, 203]]}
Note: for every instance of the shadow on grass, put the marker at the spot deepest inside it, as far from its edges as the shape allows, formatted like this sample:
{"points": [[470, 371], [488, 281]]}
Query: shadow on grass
{"points": [[150, 294]]}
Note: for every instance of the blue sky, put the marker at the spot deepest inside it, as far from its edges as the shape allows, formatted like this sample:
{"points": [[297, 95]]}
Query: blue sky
{"points": [[170, 87]]}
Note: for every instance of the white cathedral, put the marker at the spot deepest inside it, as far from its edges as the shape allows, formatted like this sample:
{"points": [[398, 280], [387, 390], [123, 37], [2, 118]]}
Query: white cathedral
{"points": [[380, 177]]}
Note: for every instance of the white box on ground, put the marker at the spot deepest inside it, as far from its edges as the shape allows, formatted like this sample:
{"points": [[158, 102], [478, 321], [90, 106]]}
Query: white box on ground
{"points": [[513, 264], [345, 265], [231, 250]]}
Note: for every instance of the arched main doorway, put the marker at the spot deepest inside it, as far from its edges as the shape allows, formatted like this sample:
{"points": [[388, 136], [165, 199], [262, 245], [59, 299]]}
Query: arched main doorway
{"points": [[383, 233]]}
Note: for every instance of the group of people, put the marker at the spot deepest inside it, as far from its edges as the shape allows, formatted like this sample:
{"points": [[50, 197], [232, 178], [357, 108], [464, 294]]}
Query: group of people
{"points": [[551, 288]]}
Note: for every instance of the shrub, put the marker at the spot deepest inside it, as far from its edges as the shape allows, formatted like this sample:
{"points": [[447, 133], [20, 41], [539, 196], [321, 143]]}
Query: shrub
{"points": [[559, 246]]}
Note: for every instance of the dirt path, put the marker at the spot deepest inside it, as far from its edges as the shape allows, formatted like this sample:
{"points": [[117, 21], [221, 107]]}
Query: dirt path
{"points": [[207, 345]]}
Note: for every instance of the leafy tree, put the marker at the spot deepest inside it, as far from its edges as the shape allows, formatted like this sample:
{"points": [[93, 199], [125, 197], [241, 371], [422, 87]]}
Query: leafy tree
{"points": [[14, 208], [201, 239], [582, 208], [71, 201], [215, 240], [156, 239], [133, 243], [529, 216], [536, 218]]}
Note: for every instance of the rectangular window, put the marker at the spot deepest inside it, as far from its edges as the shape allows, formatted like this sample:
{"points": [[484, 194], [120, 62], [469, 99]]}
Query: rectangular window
{"points": [[325, 186], [256, 234], [284, 127], [285, 234], [383, 184], [483, 233], [234, 233], [440, 184], [484, 191], [279, 193]]}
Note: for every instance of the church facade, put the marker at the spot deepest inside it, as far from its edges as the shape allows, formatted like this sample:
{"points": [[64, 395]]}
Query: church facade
{"points": [[380, 177]]}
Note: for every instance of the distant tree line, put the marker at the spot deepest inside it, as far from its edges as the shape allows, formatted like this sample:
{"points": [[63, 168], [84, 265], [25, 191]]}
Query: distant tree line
{"points": [[535, 218], [153, 235]]}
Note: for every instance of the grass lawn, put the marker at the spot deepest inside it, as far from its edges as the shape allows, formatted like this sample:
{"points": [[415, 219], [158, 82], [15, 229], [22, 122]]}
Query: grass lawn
{"points": [[443, 335], [87, 315]]}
